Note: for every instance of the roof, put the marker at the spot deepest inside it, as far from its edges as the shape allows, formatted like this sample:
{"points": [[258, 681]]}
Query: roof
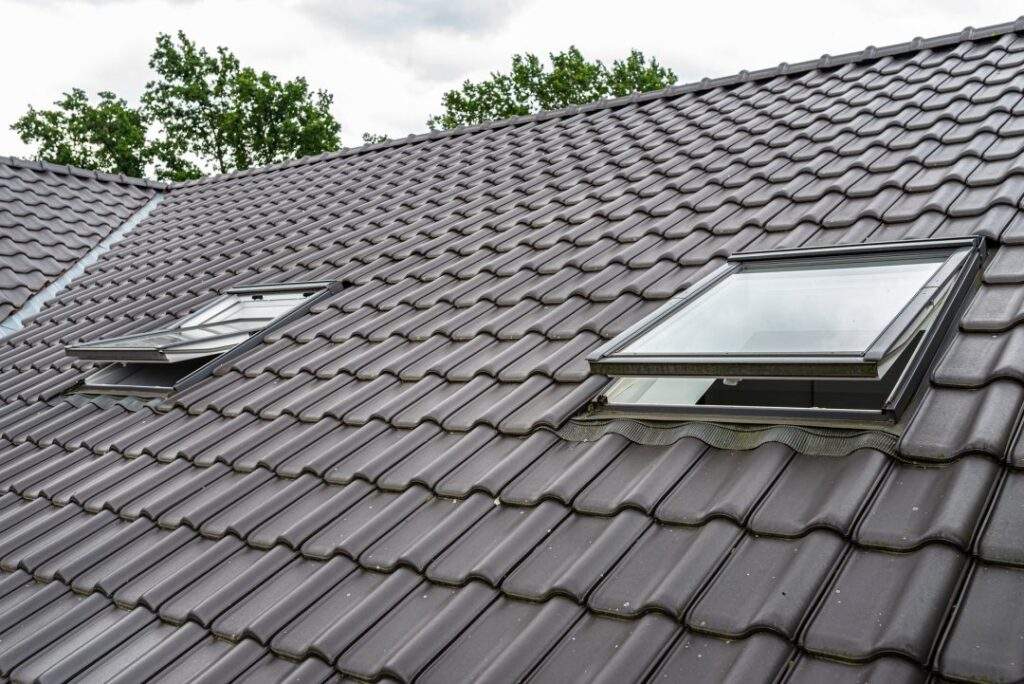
{"points": [[51, 216], [381, 488]]}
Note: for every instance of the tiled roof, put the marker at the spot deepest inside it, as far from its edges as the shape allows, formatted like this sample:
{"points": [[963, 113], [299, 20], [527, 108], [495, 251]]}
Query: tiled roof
{"points": [[379, 489], [51, 216]]}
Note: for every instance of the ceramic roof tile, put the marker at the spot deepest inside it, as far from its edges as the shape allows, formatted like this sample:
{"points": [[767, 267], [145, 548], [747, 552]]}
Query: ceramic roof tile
{"points": [[767, 583], [818, 491], [51, 217], [862, 612], [760, 656], [939, 503], [665, 568], [990, 606], [727, 483], [365, 492]]}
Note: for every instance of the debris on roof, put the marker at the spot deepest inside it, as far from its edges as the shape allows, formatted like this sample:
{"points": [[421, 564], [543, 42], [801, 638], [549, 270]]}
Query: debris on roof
{"points": [[379, 488]]}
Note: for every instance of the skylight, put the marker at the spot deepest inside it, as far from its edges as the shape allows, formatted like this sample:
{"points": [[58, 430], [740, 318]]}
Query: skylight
{"points": [[836, 329], [154, 362]]}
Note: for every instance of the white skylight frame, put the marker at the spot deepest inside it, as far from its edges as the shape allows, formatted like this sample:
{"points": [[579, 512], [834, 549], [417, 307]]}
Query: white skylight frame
{"points": [[916, 330]]}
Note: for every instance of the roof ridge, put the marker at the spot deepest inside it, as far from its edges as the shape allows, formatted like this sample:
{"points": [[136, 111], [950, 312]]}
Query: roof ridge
{"points": [[68, 170], [871, 52]]}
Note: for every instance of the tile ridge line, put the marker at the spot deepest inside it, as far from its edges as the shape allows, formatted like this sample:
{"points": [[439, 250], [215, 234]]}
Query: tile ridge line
{"points": [[871, 52], [78, 172]]}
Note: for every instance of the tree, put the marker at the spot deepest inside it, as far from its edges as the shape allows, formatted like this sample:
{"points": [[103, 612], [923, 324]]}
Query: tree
{"points": [[214, 114], [375, 138], [107, 136], [530, 87], [202, 113]]}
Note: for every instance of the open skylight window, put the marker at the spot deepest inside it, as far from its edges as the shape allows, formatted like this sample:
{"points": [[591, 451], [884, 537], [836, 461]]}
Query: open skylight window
{"points": [[153, 362], [836, 329]]}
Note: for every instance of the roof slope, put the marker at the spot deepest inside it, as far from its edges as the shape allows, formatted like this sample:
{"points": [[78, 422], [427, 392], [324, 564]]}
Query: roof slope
{"points": [[377, 491], [51, 216]]}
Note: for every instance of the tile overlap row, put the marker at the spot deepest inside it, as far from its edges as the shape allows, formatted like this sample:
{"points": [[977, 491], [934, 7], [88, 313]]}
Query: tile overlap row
{"points": [[378, 489]]}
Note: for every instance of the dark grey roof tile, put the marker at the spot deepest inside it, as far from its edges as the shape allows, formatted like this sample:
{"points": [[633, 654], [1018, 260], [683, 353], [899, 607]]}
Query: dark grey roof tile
{"points": [[378, 455], [767, 583], [359, 526], [951, 422], [107, 569], [1000, 539], [664, 569], [725, 483], [886, 602], [426, 533], [819, 491], [291, 597], [348, 609], [174, 600], [703, 658], [995, 308], [608, 649], [441, 454], [639, 477], [940, 503], [565, 469], [147, 573], [494, 465], [37, 641], [809, 670], [505, 642], [410, 636], [575, 556], [496, 543], [974, 359], [68, 563], [984, 641], [246, 601]]}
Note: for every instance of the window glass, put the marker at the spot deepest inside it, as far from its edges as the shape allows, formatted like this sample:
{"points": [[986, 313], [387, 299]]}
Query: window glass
{"points": [[774, 392], [208, 332], [827, 308]]}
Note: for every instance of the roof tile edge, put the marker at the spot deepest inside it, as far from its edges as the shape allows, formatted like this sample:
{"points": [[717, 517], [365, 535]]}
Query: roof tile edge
{"points": [[67, 170], [871, 52]]}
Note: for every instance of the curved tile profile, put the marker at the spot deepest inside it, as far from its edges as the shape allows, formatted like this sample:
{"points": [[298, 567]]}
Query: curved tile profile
{"points": [[396, 485]]}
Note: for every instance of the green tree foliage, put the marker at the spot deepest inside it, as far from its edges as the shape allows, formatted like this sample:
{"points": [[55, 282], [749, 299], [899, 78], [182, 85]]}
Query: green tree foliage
{"points": [[203, 113], [530, 86], [375, 138], [106, 136], [215, 115]]}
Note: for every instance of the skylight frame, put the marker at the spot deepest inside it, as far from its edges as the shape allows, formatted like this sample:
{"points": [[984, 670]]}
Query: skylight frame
{"points": [[114, 377], [121, 349], [964, 279], [609, 359]]}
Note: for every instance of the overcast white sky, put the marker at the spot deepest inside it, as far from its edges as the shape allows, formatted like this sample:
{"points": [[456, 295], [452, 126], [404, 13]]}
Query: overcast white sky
{"points": [[388, 61]]}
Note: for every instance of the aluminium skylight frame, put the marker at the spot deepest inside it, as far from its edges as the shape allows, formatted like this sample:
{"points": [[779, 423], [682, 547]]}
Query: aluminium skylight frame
{"points": [[209, 331], [127, 377], [960, 254]]}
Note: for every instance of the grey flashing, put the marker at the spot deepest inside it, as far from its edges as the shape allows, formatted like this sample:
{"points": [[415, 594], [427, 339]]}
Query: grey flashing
{"points": [[820, 441], [36, 302]]}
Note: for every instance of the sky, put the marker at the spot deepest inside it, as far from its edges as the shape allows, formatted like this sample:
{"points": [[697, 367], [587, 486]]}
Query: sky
{"points": [[388, 62]]}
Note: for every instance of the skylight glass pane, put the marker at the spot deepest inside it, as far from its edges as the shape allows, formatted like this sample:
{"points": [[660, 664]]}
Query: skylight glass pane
{"points": [[827, 308], [209, 331]]}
